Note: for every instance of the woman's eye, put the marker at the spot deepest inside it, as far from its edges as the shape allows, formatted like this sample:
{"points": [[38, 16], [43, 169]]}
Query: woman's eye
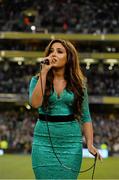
{"points": [[59, 51]]}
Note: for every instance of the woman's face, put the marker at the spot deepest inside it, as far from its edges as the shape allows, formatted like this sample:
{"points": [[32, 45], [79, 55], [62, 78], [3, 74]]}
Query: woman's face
{"points": [[58, 53]]}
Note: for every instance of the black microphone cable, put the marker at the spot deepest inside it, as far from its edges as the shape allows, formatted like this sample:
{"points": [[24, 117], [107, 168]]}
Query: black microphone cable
{"points": [[53, 149]]}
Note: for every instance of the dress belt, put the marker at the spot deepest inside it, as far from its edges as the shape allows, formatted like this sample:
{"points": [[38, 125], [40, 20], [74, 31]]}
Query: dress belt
{"points": [[59, 118]]}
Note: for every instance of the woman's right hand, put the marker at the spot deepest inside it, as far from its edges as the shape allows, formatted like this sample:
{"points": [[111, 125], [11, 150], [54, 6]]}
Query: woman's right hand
{"points": [[47, 67]]}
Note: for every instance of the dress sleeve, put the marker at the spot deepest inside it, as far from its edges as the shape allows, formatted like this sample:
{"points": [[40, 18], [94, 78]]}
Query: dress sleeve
{"points": [[31, 87], [86, 117]]}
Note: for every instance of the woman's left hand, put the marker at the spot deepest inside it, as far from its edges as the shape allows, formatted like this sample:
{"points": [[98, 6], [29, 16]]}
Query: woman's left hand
{"points": [[94, 151]]}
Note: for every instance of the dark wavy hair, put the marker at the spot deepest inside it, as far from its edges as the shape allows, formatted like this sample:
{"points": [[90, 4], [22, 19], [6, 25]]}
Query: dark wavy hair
{"points": [[73, 76]]}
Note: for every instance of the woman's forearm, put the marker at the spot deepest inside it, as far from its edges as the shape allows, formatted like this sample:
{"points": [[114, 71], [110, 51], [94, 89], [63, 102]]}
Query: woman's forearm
{"points": [[88, 133], [38, 92]]}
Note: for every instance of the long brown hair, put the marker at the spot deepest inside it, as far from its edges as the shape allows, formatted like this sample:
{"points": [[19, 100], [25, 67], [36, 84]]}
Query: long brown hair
{"points": [[73, 76]]}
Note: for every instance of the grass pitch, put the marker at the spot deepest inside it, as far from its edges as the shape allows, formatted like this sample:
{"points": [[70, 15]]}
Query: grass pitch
{"points": [[19, 167]]}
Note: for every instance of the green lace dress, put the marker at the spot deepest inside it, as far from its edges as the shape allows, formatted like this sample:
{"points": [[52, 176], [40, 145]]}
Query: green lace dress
{"points": [[66, 138]]}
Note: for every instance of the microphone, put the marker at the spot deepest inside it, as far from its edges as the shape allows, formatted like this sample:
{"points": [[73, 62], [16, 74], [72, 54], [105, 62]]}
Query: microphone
{"points": [[44, 61]]}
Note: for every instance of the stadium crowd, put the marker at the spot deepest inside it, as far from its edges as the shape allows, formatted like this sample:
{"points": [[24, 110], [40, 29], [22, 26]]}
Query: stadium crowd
{"points": [[65, 16]]}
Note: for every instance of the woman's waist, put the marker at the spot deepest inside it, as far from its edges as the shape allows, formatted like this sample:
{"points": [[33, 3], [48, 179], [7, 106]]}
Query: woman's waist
{"points": [[58, 129], [56, 118]]}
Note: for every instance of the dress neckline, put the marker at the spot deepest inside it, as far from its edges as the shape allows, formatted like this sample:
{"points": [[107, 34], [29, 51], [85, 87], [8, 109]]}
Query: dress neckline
{"points": [[61, 93]]}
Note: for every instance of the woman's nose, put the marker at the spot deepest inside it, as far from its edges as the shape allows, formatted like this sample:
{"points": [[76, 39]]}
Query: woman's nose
{"points": [[53, 53]]}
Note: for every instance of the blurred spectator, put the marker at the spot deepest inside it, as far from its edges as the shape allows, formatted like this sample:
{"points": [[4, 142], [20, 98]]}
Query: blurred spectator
{"points": [[4, 143]]}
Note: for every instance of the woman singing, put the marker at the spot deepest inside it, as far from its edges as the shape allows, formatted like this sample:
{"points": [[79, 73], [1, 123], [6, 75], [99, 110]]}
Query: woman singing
{"points": [[59, 93]]}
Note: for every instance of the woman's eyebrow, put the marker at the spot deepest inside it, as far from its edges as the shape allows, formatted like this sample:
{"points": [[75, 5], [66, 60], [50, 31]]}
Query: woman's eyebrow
{"points": [[58, 48]]}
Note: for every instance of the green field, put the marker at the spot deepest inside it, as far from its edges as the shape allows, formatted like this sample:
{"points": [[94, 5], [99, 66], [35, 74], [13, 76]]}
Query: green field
{"points": [[19, 167]]}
